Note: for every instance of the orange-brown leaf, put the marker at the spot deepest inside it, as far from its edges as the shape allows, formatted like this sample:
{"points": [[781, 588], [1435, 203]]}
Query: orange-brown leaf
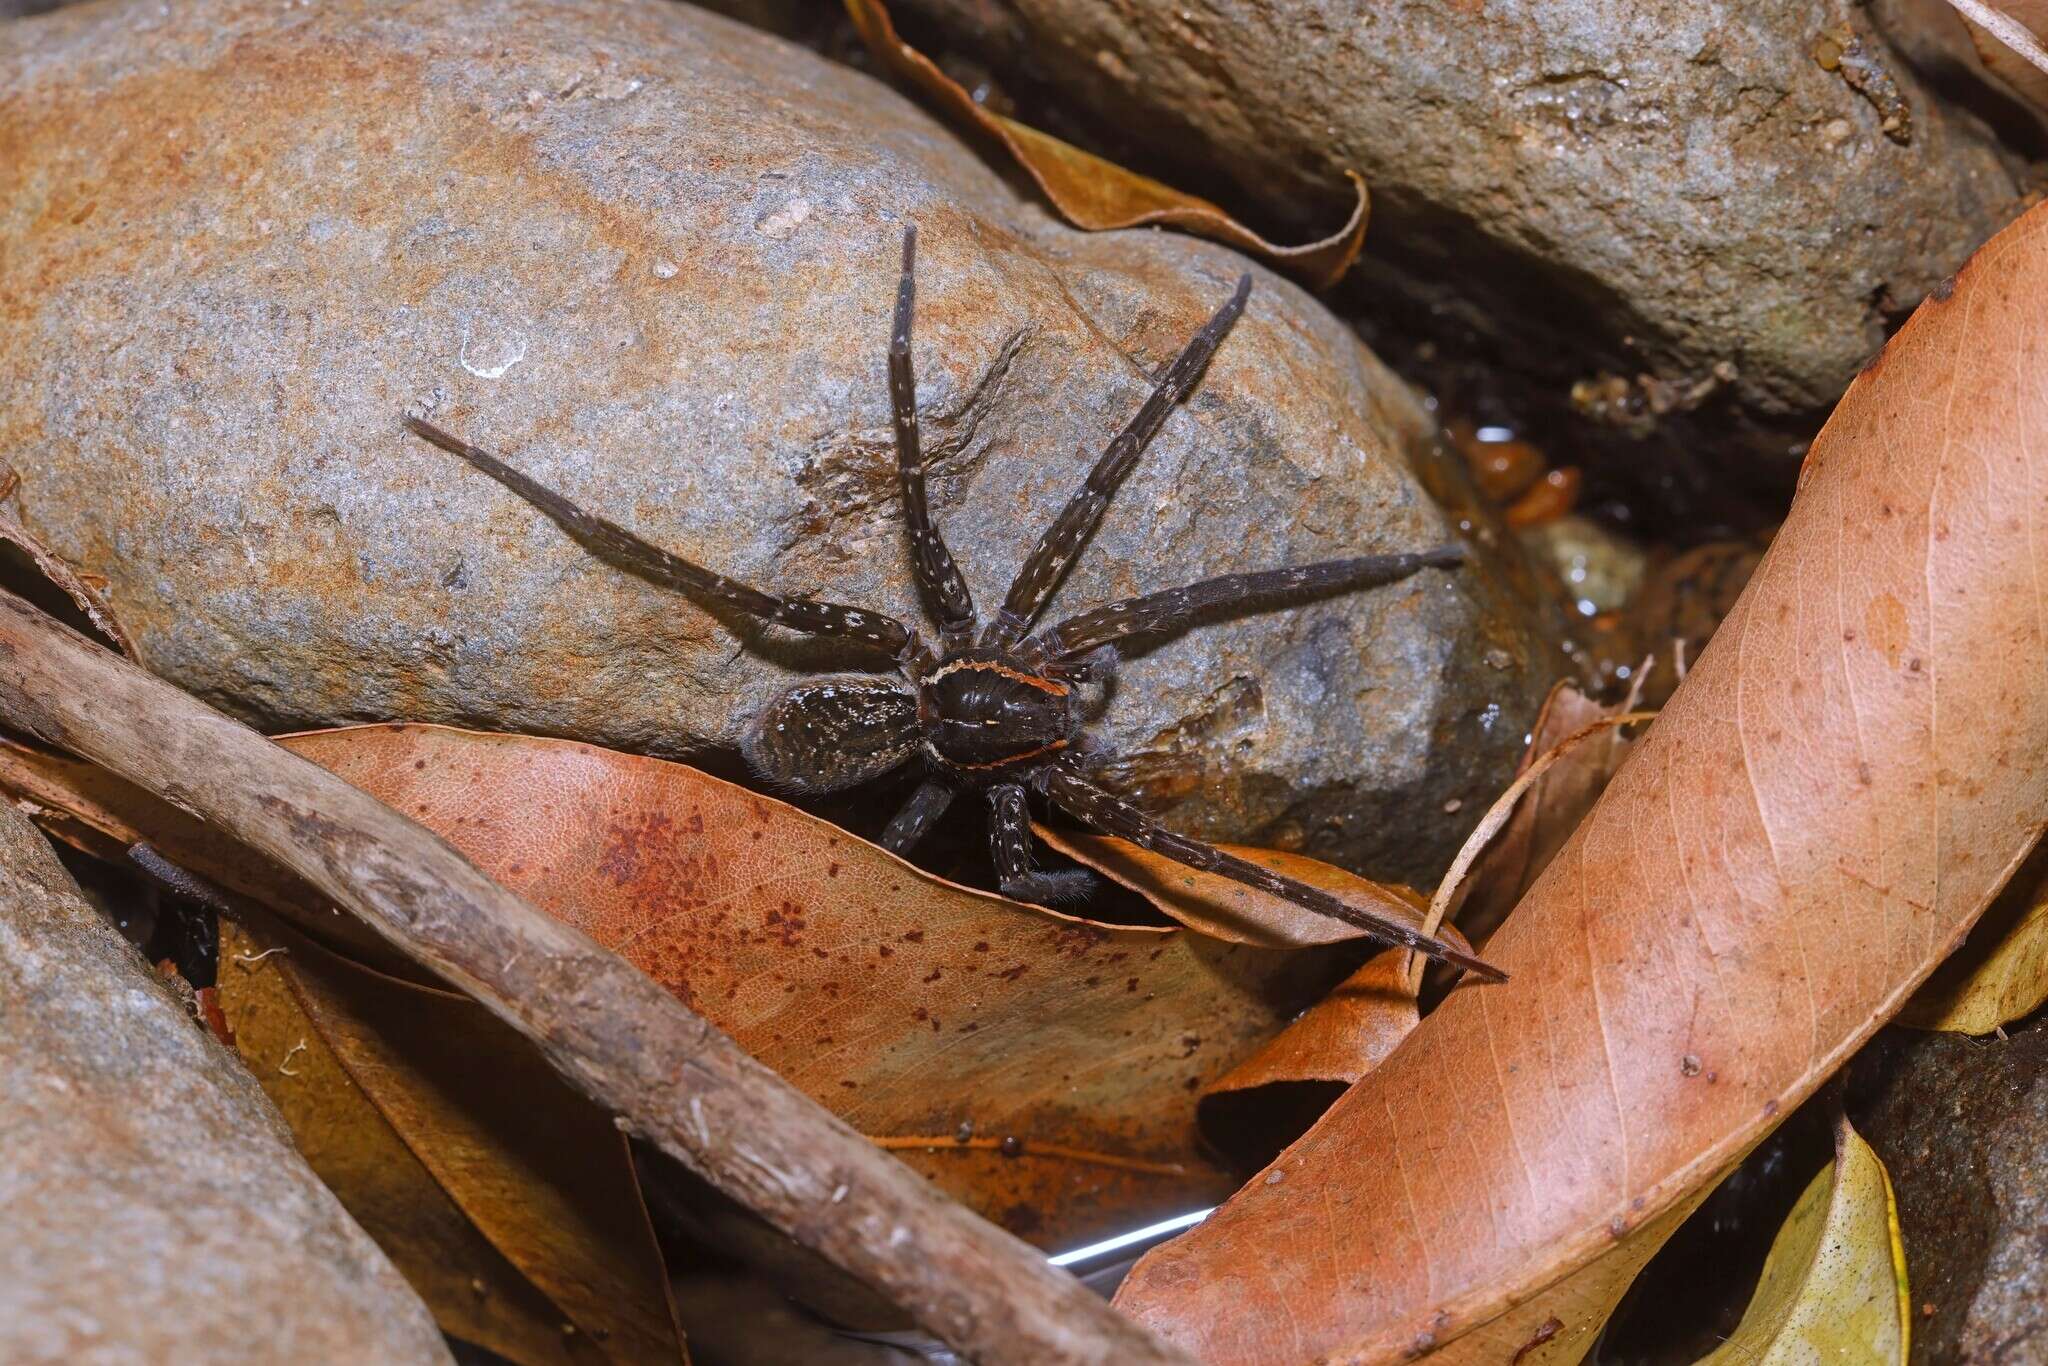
{"points": [[1099, 195], [1548, 812], [915, 1009], [1225, 909], [1266, 1101], [1846, 779]]}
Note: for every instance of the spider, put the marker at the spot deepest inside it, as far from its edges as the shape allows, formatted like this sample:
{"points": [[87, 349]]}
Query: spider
{"points": [[997, 708]]}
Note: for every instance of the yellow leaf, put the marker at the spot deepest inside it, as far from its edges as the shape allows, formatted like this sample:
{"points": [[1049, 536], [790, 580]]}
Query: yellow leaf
{"points": [[2001, 972], [1834, 1285]]}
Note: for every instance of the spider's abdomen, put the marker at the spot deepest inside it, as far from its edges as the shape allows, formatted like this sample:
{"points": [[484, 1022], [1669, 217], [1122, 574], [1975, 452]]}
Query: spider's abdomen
{"points": [[830, 733], [984, 714]]}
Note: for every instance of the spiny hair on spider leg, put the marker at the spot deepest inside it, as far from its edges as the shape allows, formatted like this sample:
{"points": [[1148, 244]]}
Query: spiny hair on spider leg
{"points": [[828, 734]]}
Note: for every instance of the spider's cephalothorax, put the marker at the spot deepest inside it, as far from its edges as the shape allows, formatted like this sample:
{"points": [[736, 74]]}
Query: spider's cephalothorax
{"points": [[993, 708], [984, 713]]}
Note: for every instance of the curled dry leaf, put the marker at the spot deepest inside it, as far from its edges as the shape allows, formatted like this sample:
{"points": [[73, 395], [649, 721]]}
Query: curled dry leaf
{"points": [[1267, 1101], [1222, 909], [2001, 973], [1574, 749], [1853, 769], [1099, 195], [1043, 1069], [507, 1199], [1834, 1284], [1270, 1097]]}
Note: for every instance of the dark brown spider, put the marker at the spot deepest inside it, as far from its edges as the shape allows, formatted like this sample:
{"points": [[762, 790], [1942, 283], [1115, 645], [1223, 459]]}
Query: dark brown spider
{"points": [[993, 709]]}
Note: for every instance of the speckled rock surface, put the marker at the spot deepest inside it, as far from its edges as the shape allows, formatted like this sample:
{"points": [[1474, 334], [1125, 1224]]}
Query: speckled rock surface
{"points": [[152, 1206], [1591, 188], [1962, 1126], [649, 254]]}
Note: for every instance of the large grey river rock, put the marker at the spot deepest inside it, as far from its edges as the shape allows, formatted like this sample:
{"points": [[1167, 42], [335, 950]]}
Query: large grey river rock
{"points": [[152, 1206], [649, 255], [1720, 195]]}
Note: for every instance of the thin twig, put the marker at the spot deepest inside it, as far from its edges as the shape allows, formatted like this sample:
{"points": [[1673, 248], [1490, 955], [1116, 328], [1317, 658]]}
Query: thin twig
{"points": [[1011, 1147], [2005, 29], [1496, 816], [670, 1075]]}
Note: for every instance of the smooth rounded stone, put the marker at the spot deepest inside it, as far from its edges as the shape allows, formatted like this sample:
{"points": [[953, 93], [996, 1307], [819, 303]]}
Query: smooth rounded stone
{"points": [[1962, 1127], [152, 1206], [1590, 192], [649, 255]]}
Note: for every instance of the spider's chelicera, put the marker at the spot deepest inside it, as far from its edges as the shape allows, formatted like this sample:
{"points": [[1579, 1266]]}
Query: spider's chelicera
{"points": [[998, 708]]}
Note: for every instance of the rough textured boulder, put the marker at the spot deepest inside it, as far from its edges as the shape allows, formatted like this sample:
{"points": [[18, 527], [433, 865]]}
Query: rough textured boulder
{"points": [[1962, 1126], [1691, 191], [650, 254], [152, 1206]]}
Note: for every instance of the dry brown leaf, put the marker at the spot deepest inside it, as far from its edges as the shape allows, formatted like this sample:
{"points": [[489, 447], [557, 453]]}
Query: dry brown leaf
{"points": [[1099, 195], [1341, 1037], [472, 1289], [917, 1010], [1853, 769], [1552, 807], [504, 1197], [1223, 909], [1270, 1099], [2000, 974]]}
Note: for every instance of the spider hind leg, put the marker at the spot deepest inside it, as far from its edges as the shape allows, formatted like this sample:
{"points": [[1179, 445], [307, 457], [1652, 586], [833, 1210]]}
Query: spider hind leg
{"points": [[1113, 816]]}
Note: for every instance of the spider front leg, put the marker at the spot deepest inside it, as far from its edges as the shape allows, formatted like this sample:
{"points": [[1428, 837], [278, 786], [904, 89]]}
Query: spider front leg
{"points": [[1009, 839], [1114, 816], [938, 578], [616, 545], [1083, 637], [1056, 549]]}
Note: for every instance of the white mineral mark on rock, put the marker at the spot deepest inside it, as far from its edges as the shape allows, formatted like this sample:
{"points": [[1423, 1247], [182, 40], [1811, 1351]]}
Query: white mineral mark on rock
{"points": [[515, 354], [785, 220]]}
